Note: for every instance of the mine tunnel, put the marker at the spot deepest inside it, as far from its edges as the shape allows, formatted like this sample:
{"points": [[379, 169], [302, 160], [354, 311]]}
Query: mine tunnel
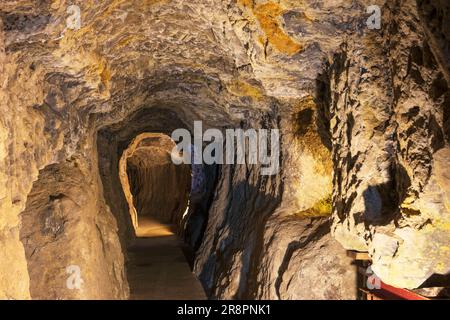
{"points": [[162, 206], [344, 107], [158, 194]]}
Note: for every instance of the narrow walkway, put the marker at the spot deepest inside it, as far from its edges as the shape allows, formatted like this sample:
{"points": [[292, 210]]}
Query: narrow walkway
{"points": [[157, 269]]}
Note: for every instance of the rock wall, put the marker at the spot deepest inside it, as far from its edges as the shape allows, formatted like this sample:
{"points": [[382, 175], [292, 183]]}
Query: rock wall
{"points": [[61, 207], [387, 116], [306, 263]]}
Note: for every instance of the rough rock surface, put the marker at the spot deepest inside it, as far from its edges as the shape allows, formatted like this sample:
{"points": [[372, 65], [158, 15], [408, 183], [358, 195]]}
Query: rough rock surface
{"points": [[53, 220], [365, 129], [305, 262], [389, 120]]}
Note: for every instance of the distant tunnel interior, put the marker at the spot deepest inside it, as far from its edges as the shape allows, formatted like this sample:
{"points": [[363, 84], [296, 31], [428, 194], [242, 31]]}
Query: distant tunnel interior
{"points": [[157, 190], [161, 207]]}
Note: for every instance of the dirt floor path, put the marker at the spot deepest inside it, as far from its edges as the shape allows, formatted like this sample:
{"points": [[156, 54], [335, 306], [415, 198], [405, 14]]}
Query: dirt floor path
{"points": [[158, 269]]}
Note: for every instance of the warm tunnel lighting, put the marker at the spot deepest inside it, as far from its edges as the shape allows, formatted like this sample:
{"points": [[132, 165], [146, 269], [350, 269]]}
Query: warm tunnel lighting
{"points": [[156, 190]]}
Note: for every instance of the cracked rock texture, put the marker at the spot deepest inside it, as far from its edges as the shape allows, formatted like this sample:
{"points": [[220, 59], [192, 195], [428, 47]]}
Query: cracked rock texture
{"points": [[389, 121], [364, 117]]}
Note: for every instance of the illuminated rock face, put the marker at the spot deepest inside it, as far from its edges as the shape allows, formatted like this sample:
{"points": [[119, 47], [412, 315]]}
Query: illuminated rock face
{"points": [[389, 123], [364, 120], [62, 231]]}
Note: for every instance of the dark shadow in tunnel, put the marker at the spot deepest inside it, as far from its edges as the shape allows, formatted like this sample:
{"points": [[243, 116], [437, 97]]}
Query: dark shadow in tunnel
{"points": [[441, 282], [197, 215], [243, 202], [248, 208]]}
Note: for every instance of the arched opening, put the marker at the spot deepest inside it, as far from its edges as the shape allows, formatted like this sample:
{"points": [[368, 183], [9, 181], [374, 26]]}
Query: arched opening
{"points": [[161, 208], [158, 193], [364, 121], [157, 190]]}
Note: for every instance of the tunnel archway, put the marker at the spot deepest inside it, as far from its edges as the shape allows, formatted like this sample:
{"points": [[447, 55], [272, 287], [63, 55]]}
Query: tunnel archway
{"points": [[157, 190]]}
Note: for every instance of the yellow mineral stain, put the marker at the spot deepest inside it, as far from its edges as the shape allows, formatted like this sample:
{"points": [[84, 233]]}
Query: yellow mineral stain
{"points": [[440, 267], [96, 67], [125, 42], [321, 208], [268, 15], [443, 225], [153, 2], [105, 74], [244, 89], [262, 40], [129, 40], [305, 130]]}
